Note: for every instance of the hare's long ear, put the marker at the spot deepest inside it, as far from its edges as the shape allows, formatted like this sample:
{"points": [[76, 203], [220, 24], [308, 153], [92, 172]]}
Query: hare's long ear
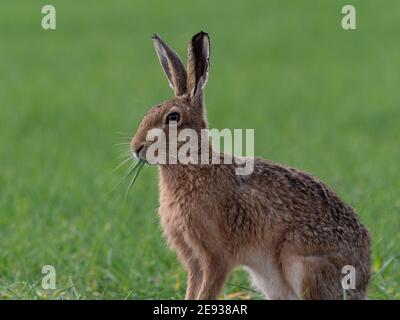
{"points": [[198, 65], [172, 65]]}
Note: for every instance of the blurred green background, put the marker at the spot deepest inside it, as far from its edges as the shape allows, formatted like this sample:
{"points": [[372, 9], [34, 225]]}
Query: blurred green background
{"points": [[320, 98]]}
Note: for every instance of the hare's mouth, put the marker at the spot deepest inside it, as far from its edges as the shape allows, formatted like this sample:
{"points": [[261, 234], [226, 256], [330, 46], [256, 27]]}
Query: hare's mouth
{"points": [[139, 158], [139, 154], [136, 155]]}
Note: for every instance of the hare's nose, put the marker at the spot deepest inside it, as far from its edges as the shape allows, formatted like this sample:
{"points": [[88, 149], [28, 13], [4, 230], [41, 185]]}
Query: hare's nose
{"points": [[139, 149]]}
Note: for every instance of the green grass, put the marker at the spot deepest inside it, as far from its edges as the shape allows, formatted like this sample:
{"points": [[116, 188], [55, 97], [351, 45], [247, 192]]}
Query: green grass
{"points": [[319, 98]]}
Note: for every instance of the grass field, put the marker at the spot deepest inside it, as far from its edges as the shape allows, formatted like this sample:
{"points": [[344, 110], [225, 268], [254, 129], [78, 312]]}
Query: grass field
{"points": [[320, 98]]}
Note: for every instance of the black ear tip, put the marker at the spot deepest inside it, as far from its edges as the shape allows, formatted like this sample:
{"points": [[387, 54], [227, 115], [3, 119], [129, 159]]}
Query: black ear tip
{"points": [[200, 35], [155, 36]]}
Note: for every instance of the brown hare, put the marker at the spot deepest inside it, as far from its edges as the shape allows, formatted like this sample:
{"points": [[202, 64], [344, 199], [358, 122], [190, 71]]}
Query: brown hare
{"points": [[286, 227]]}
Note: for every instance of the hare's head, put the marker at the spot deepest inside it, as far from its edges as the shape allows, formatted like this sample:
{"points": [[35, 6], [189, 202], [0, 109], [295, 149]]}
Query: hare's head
{"points": [[186, 108]]}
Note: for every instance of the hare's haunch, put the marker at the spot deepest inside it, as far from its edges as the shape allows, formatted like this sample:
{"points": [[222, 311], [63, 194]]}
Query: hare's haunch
{"points": [[287, 228]]}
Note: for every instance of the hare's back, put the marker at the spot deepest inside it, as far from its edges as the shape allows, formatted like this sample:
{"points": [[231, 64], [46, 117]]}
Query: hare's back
{"points": [[306, 202]]}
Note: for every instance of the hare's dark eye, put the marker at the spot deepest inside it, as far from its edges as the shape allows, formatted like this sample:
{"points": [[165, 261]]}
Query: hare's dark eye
{"points": [[173, 116]]}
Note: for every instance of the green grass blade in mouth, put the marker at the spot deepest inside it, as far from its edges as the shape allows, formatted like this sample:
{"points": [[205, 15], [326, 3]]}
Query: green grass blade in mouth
{"points": [[133, 166], [137, 168], [122, 164]]}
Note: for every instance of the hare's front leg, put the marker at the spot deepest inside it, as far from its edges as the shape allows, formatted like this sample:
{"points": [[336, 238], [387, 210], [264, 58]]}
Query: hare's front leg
{"points": [[215, 272], [193, 268], [195, 279]]}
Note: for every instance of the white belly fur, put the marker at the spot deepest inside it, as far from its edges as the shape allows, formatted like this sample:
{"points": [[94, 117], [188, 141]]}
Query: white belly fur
{"points": [[266, 276]]}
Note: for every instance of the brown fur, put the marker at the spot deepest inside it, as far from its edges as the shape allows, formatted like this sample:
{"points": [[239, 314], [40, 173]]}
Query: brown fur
{"points": [[290, 229]]}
